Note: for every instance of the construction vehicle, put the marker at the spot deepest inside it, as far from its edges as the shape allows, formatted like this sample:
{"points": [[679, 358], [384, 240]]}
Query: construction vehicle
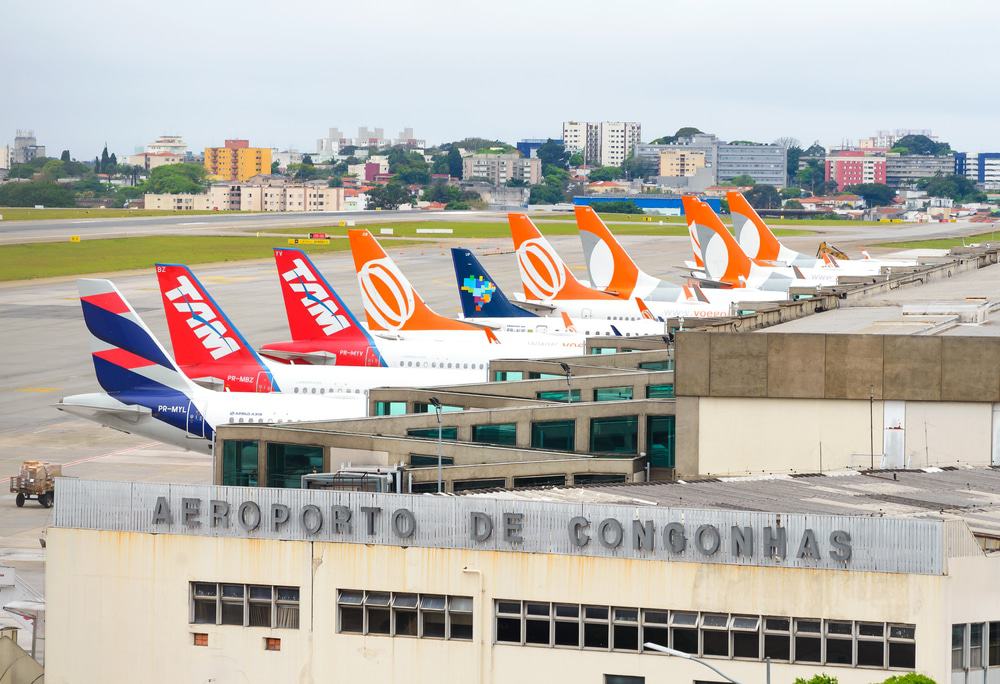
{"points": [[35, 481], [827, 248]]}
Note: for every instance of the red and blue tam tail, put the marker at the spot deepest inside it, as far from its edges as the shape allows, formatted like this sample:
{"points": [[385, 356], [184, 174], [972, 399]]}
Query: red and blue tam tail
{"points": [[127, 357], [481, 296], [206, 343]]}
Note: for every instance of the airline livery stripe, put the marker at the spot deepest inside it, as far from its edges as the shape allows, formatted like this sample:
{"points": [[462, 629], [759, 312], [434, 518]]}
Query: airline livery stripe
{"points": [[109, 301], [123, 359]]}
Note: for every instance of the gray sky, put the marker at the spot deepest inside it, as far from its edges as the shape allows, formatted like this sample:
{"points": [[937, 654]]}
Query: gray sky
{"points": [[281, 74]]}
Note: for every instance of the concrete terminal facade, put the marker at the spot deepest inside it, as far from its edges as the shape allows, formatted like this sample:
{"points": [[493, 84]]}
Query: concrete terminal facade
{"points": [[158, 582]]}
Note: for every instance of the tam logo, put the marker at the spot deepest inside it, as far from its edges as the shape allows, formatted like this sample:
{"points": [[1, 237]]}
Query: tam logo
{"points": [[314, 298], [202, 320]]}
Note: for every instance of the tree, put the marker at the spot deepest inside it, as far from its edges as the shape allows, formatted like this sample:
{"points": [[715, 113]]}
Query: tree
{"points": [[576, 159], [812, 176], [874, 194], [763, 197], [553, 153], [105, 162], [64, 156], [743, 179], [793, 154], [35, 192], [335, 182], [302, 172], [817, 679], [815, 150], [920, 144], [623, 207], [392, 195], [909, 678], [605, 173], [112, 164], [683, 132], [793, 204], [454, 163], [275, 165], [788, 142], [958, 188], [176, 178], [791, 192]]}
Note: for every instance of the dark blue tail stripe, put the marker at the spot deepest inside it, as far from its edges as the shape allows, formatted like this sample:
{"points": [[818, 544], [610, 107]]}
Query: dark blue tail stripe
{"points": [[120, 332], [481, 296]]}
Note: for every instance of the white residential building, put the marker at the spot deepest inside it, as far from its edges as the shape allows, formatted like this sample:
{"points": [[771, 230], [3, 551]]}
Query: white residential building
{"points": [[173, 144], [607, 143], [497, 169]]}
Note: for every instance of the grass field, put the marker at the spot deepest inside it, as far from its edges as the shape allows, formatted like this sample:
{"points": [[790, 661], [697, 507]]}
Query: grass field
{"points": [[28, 214], [43, 260], [500, 229], [945, 243]]}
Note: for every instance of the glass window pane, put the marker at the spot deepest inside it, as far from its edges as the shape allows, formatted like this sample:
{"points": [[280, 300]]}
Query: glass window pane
{"points": [[994, 644], [287, 463], [626, 637], [626, 614], [777, 624], [612, 393], [509, 607], [421, 460], [745, 622], [667, 364], [715, 642], [660, 440], [614, 435], [839, 651], [902, 655], [404, 600], [777, 646], [540, 481], [204, 612], [239, 463], [287, 593], [976, 645], [563, 396], [837, 627], [901, 631], [811, 626], [685, 639], [536, 609], [464, 485], [659, 391], [352, 619], [595, 635], [871, 653], [656, 635], [875, 629], [501, 433], [260, 593], [232, 591], [715, 620], [461, 626], [205, 588], [460, 604], [431, 602], [232, 613], [567, 634], [807, 650], [390, 408], [378, 620], [287, 616], [509, 630], [957, 647], [570, 610], [433, 624], [595, 612], [450, 433], [555, 435], [746, 645], [657, 617], [260, 615], [677, 618], [537, 632], [406, 622], [375, 598], [352, 597], [507, 376]]}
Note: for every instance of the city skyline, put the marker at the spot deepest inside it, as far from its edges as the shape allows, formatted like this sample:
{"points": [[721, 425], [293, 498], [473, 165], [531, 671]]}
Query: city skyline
{"points": [[807, 72]]}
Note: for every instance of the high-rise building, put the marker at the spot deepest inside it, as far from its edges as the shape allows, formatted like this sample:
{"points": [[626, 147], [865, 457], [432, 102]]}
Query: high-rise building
{"points": [[983, 168], [853, 167], [500, 168], [904, 170], [26, 148], [237, 161], [5, 155], [681, 162], [174, 144], [767, 164], [604, 143], [883, 140], [408, 138], [371, 137]]}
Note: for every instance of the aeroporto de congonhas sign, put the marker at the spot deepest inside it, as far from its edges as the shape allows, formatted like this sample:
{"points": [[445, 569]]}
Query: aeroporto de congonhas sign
{"points": [[641, 532]]}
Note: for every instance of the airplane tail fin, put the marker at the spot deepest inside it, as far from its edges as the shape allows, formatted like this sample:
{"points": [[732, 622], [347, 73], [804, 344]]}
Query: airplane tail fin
{"points": [[608, 264], [128, 359], [724, 260], [753, 235], [314, 309], [481, 296], [544, 275], [206, 343], [391, 302], [568, 322]]}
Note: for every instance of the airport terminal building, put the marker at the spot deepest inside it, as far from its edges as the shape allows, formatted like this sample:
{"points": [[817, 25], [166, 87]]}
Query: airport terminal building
{"points": [[859, 575]]}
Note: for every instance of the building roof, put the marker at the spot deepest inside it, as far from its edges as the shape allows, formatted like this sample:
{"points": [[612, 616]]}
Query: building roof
{"points": [[969, 494]]}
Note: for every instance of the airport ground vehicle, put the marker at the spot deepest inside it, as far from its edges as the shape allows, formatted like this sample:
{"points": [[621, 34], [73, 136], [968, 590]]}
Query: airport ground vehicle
{"points": [[35, 481]]}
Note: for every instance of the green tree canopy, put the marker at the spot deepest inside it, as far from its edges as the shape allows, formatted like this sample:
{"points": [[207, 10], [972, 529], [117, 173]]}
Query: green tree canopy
{"points": [[35, 192], [793, 204], [605, 173], [392, 195], [742, 179], [576, 159], [454, 163], [410, 167], [874, 194], [176, 178], [958, 188], [64, 156], [553, 153], [817, 679], [683, 132], [791, 192], [763, 196], [623, 207], [815, 150], [920, 144], [477, 144], [909, 678]]}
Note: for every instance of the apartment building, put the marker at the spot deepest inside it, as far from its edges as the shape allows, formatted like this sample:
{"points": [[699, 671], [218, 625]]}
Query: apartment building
{"points": [[852, 167], [236, 160], [681, 162], [497, 169], [25, 148], [983, 168], [173, 144], [604, 143], [151, 160], [260, 194], [904, 170], [766, 164]]}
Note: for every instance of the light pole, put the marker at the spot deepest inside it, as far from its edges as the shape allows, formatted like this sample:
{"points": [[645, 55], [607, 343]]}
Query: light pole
{"points": [[569, 372], [436, 403], [687, 656], [871, 422]]}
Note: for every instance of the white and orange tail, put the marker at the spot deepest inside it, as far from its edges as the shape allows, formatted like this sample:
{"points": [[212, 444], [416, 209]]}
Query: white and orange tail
{"points": [[754, 236], [721, 255], [391, 303], [608, 264], [544, 276], [644, 310], [568, 322]]}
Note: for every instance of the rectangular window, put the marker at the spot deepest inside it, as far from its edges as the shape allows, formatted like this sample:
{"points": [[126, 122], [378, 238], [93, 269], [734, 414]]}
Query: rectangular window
{"points": [[390, 408], [902, 648], [871, 644], [957, 648], [499, 433], [612, 393], [666, 364], [623, 679], [287, 463], [660, 440], [564, 396], [383, 613], [625, 631], [715, 635], [244, 605], [596, 627], [420, 460], [536, 375], [839, 642], [808, 644], [976, 635], [596, 478], [508, 624], [614, 435], [684, 631], [450, 433], [993, 645], [424, 407], [466, 485], [567, 625], [555, 435], [540, 481], [660, 391], [746, 636], [239, 462]]}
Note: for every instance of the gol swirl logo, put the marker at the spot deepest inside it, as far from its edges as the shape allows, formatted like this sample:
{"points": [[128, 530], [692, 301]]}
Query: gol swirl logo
{"points": [[541, 271], [388, 296]]}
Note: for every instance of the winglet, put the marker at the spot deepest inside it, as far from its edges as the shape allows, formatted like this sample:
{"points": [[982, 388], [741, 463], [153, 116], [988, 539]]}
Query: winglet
{"points": [[391, 302], [544, 275], [568, 322]]}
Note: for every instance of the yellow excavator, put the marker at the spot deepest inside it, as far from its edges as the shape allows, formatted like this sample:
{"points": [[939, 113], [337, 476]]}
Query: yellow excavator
{"points": [[832, 250]]}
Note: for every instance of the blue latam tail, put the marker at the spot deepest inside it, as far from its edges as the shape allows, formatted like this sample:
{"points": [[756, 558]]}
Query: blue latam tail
{"points": [[481, 296]]}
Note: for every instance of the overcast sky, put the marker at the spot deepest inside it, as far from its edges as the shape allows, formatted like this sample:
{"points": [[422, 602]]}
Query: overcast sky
{"points": [[281, 74]]}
